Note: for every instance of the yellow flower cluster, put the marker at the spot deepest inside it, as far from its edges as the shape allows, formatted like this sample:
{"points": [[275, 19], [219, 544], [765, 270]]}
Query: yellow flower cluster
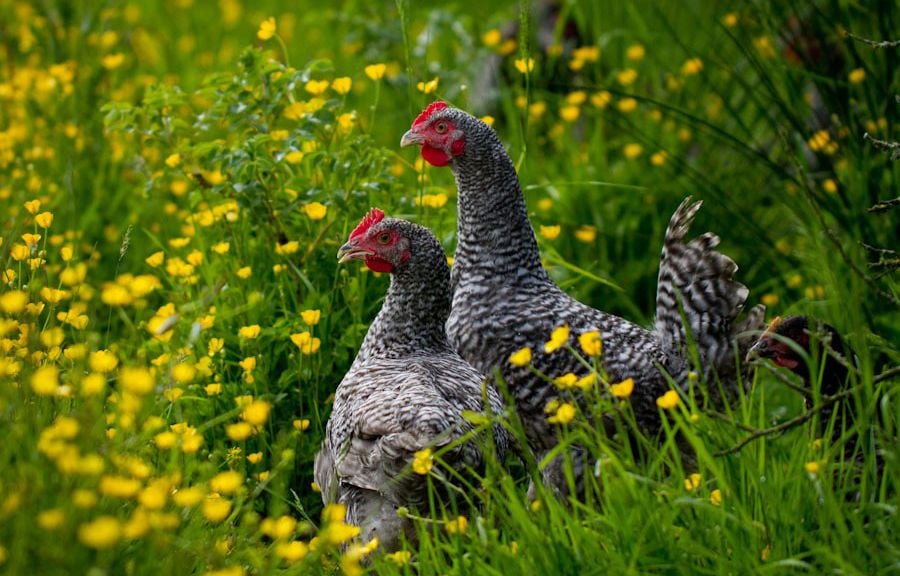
{"points": [[432, 200], [560, 412], [584, 55], [821, 141]]}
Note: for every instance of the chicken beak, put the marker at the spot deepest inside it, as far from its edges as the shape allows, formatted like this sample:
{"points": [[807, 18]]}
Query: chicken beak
{"points": [[350, 251], [411, 137], [758, 350]]}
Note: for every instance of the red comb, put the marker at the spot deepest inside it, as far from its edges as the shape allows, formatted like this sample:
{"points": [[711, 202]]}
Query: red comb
{"points": [[432, 108], [374, 216]]}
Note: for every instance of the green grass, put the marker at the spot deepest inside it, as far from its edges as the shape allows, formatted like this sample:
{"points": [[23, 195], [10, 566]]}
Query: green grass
{"points": [[97, 97]]}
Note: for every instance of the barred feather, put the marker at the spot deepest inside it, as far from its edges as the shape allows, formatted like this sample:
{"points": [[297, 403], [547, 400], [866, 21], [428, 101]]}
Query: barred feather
{"points": [[697, 297]]}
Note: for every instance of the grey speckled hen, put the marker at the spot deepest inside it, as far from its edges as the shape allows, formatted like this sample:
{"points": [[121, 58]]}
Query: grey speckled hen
{"points": [[504, 300], [406, 390]]}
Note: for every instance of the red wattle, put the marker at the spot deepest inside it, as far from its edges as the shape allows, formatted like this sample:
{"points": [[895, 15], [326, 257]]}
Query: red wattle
{"points": [[376, 264], [435, 156], [788, 363]]}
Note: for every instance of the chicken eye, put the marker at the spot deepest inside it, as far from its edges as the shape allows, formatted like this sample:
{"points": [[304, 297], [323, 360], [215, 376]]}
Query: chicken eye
{"points": [[440, 127], [383, 238]]}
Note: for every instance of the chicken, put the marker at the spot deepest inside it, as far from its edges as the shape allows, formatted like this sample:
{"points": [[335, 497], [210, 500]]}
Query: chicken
{"points": [[788, 343], [504, 300], [405, 392]]}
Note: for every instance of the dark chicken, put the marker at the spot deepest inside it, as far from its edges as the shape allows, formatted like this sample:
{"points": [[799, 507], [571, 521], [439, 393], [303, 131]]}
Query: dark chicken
{"points": [[405, 392], [504, 300], [789, 343]]}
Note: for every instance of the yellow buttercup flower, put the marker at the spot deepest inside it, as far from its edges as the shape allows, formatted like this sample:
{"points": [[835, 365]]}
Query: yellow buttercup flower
{"points": [[432, 200], [400, 558], [591, 343], [315, 210], [249, 332], [623, 389], [239, 431], [565, 381], [586, 234], [427, 87], [292, 551], [626, 105], [550, 232], [659, 158], [457, 526], [139, 381], [422, 462], [692, 482], [13, 302], [294, 157], [569, 113], [117, 486], [183, 372], [112, 61], [103, 361], [563, 414], [492, 37], [632, 151], [214, 346], [45, 380], [692, 66], [715, 497], [189, 497], [311, 317], [306, 342], [669, 400], [524, 65], [155, 259], [101, 533], [375, 71], [267, 29], [216, 509], [316, 87], [44, 219], [558, 339], [256, 413], [627, 76], [52, 519], [226, 482], [342, 85], [521, 357], [635, 52]]}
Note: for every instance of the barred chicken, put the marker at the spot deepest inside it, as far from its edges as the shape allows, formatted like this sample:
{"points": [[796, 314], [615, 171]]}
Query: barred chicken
{"points": [[405, 392], [504, 300]]}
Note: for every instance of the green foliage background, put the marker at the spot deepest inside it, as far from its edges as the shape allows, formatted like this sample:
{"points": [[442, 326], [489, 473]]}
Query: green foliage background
{"points": [[148, 127]]}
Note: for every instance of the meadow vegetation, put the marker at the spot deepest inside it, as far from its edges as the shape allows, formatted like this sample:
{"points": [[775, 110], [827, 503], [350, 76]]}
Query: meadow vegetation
{"points": [[176, 177]]}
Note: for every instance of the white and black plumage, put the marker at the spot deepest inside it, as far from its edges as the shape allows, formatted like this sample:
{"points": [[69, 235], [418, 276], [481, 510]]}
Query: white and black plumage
{"points": [[406, 390], [504, 300]]}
